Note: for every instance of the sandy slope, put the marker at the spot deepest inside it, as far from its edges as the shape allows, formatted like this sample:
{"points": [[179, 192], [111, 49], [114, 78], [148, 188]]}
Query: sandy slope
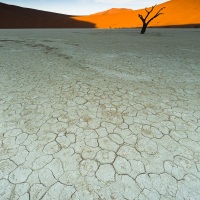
{"points": [[177, 12], [18, 17]]}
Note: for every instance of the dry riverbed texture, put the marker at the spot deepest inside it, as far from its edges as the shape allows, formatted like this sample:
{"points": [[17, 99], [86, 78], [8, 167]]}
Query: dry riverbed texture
{"points": [[99, 114]]}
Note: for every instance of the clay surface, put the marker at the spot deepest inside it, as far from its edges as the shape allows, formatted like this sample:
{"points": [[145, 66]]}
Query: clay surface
{"points": [[99, 114]]}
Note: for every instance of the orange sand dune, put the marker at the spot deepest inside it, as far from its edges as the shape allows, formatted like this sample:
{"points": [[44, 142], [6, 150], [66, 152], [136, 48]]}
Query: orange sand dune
{"points": [[177, 12]]}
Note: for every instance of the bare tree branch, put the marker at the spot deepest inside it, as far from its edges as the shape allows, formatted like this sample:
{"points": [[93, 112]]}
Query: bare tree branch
{"points": [[156, 15], [143, 19], [148, 12]]}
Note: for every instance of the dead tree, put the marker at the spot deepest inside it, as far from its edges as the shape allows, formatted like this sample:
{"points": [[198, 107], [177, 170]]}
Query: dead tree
{"points": [[145, 21]]}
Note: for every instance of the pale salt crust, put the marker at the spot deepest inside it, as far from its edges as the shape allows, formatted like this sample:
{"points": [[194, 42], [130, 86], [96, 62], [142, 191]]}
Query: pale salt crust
{"points": [[99, 114]]}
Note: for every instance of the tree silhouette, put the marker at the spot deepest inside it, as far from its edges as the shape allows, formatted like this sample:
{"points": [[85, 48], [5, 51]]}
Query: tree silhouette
{"points": [[144, 20]]}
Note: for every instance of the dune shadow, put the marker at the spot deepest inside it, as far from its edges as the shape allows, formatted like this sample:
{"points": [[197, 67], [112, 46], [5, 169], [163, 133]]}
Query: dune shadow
{"points": [[18, 17], [178, 26]]}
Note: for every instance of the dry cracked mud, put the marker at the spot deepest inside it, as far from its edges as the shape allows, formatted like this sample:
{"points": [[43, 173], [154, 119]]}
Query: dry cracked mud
{"points": [[99, 114]]}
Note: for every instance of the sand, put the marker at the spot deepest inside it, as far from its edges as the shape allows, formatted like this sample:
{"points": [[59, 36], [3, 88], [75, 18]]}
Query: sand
{"points": [[99, 114], [177, 13]]}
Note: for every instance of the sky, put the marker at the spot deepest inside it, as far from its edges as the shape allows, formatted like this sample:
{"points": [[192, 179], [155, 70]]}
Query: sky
{"points": [[82, 7]]}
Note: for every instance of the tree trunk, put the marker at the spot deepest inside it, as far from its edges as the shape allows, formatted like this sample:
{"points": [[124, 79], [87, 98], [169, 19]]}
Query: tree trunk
{"points": [[144, 28]]}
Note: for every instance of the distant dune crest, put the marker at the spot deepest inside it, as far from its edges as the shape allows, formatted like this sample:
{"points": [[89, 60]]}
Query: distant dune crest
{"points": [[113, 11], [177, 13], [185, 13]]}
